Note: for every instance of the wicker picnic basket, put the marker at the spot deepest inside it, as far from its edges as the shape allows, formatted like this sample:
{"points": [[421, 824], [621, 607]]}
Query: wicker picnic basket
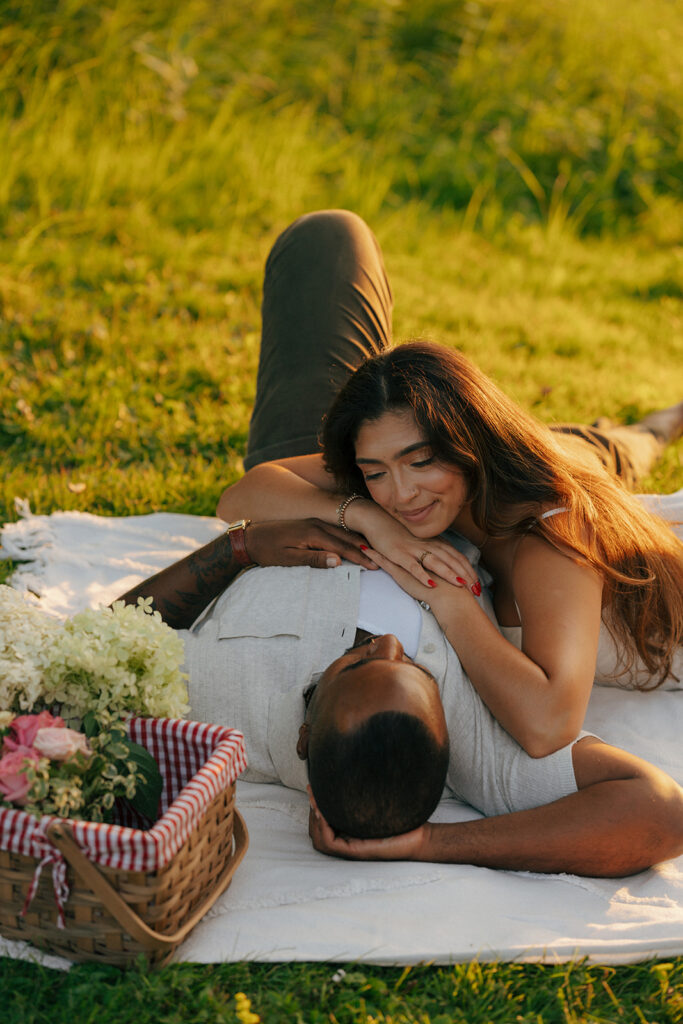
{"points": [[108, 893]]}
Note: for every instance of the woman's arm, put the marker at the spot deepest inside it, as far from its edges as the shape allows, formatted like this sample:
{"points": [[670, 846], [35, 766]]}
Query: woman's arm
{"points": [[627, 816], [538, 694], [300, 487], [296, 488]]}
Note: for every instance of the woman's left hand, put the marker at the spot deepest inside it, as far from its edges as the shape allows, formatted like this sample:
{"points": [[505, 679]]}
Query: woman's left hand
{"points": [[438, 590], [423, 558]]}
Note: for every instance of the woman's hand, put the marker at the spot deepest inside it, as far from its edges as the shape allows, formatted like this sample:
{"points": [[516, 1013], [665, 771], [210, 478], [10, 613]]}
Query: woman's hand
{"points": [[409, 846], [423, 559], [443, 597]]}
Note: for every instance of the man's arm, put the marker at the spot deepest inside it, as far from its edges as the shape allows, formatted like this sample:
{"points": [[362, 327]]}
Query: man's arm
{"points": [[626, 816], [182, 591]]}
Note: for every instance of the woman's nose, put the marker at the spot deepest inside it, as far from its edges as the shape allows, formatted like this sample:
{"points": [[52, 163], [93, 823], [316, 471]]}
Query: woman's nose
{"points": [[404, 489]]}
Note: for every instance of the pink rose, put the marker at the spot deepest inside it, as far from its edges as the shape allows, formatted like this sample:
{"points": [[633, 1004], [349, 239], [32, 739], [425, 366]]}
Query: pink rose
{"points": [[24, 728], [14, 784], [59, 744]]}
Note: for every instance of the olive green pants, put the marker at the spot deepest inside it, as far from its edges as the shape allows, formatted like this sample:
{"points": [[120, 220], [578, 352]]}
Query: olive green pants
{"points": [[326, 308]]}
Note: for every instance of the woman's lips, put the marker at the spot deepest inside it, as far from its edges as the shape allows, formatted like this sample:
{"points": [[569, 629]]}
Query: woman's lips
{"points": [[417, 515]]}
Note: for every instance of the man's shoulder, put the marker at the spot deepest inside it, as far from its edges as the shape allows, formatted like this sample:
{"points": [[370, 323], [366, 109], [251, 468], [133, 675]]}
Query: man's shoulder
{"points": [[313, 612], [266, 636], [300, 595]]}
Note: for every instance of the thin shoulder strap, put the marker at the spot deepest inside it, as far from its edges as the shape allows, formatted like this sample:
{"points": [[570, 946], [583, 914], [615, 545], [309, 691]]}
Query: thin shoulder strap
{"points": [[544, 515]]}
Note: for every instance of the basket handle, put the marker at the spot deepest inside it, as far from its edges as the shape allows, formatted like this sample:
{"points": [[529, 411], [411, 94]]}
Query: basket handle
{"points": [[60, 834]]}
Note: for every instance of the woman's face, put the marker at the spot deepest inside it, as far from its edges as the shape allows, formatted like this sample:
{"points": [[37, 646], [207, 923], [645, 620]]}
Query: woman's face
{"points": [[403, 476]]}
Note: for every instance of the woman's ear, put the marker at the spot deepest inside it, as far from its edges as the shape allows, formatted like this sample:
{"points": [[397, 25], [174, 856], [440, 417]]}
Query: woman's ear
{"points": [[302, 742]]}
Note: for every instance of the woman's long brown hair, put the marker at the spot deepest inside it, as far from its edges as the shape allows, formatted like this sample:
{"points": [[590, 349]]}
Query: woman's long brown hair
{"points": [[516, 467]]}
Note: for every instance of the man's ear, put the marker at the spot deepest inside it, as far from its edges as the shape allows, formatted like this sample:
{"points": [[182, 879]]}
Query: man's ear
{"points": [[313, 804], [302, 742]]}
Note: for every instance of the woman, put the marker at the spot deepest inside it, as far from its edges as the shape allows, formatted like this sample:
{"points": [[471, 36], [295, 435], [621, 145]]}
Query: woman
{"points": [[419, 442]]}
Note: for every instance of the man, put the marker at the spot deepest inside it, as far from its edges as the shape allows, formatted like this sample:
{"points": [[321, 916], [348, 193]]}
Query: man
{"points": [[587, 809], [382, 730]]}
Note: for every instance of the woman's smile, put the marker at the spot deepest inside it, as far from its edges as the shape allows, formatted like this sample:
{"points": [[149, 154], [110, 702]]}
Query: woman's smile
{"points": [[416, 515]]}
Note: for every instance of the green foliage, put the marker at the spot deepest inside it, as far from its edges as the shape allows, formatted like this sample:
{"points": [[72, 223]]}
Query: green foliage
{"points": [[149, 783], [471, 993], [87, 785], [197, 113]]}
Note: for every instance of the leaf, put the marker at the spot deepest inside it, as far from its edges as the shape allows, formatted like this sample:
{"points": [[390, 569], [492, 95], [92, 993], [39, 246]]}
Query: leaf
{"points": [[148, 790], [90, 726], [118, 749]]}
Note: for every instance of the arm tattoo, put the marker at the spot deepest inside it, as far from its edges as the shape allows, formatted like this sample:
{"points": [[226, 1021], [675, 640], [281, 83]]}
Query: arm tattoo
{"points": [[183, 590]]}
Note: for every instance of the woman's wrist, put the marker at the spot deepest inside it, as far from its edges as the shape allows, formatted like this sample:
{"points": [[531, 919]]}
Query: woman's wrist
{"points": [[444, 595], [342, 509], [359, 514], [456, 610]]}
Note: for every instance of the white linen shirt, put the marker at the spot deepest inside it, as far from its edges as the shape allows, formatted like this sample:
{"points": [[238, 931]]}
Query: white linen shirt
{"points": [[254, 651]]}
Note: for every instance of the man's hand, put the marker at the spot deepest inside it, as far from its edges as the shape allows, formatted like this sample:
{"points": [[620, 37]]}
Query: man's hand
{"points": [[409, 846], [304, 542], [183, 590]]}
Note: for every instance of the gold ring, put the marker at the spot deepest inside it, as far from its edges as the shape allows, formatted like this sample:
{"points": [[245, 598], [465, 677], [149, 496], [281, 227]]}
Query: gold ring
{"points": [[422, 557]]}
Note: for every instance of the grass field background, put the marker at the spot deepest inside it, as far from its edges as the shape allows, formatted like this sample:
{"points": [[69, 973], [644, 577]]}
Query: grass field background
{"points": [[521, 165]]}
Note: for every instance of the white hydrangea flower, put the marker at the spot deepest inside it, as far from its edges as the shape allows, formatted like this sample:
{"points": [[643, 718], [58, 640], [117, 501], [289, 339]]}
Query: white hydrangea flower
{"points": [[106, 660], [25, 636]]}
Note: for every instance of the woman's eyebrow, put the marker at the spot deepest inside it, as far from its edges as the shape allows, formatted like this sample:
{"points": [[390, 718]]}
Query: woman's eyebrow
{"points": [[404, 451]]}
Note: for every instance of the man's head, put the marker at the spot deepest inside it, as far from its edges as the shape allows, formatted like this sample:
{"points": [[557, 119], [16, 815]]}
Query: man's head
{"points": [[376, 741]]}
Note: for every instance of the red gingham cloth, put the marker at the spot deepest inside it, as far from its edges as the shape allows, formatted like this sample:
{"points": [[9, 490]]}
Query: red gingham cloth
{"points": [[196, 760]]}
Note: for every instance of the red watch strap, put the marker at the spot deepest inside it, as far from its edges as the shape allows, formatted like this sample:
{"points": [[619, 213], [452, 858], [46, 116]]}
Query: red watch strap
{"points": [[238, 543]]}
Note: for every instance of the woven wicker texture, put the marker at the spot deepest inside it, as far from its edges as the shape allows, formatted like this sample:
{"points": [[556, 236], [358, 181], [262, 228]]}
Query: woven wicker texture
{"points": [[164, 900]]}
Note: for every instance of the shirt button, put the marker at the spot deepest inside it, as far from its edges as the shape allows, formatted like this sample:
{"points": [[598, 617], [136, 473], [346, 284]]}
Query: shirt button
{"points": [[429, 648]]}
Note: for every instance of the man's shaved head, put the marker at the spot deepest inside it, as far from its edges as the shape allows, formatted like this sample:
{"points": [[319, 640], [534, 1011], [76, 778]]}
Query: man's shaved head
{"points": [[376, 742]]}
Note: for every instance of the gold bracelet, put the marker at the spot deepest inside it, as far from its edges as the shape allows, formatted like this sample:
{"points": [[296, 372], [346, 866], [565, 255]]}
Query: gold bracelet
{"points": [[341, 510]]}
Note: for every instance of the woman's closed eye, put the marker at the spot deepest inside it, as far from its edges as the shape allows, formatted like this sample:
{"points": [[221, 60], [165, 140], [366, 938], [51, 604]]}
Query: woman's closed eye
{"points": [[377, 474]]}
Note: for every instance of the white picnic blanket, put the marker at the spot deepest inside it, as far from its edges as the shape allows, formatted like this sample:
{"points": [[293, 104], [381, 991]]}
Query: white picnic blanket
{"points": [[288, 902]]}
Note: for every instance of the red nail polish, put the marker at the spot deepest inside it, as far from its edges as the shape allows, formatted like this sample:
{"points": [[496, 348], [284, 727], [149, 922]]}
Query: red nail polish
{"points": [[431, 583], [476, 588], [364, 547], [461, 581]]}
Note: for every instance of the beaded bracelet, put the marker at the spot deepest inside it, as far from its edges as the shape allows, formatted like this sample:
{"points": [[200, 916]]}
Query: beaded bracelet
{"points": [[341, 510]]}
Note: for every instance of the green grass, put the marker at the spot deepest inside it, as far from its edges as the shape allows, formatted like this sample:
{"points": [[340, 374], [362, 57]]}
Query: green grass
{"points": [[309, 994], [205, 114], [520, 163], [134, 376]]}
